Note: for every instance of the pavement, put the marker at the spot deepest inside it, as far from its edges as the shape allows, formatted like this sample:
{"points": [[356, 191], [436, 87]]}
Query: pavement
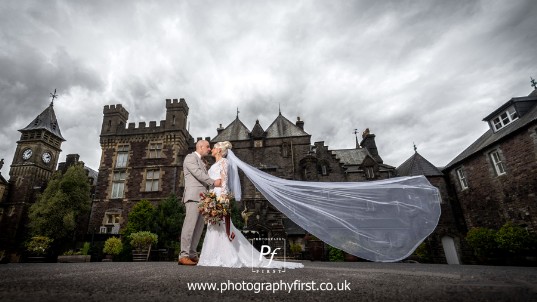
{"points": [[349, 281]]}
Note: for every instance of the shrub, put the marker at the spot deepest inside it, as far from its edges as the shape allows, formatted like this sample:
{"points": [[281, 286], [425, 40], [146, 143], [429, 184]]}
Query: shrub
{"points": [[423, 253], [39, 245], [482, 240], [295, 248], [335, 255], [85, 248], [142, 240], [113, 246], [513, 238]]}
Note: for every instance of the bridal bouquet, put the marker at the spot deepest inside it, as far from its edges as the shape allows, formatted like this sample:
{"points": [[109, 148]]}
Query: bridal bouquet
{"points": [[214, 208]]}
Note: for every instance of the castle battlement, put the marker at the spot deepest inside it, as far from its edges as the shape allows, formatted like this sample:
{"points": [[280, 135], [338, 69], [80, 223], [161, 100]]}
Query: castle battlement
{"points": [[177, 104], [115, 120], [118, 108]]}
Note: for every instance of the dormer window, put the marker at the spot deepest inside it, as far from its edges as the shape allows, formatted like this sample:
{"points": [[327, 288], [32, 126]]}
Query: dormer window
{"points": [[504, 118]]}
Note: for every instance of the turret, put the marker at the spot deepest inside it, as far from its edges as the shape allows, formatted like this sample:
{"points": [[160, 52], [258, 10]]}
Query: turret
{"points": [[115, 116], [176, 114]]}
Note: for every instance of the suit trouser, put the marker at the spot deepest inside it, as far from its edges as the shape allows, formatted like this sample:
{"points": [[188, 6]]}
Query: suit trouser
{"points": [[192, 229]]}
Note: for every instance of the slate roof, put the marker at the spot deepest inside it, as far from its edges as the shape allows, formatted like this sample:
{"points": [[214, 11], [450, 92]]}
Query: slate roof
{"points": [[418, 165], [490, 137], [46, 120], [236, 131], [93, 174], [282, 127], [351, 157], [257, 131]]}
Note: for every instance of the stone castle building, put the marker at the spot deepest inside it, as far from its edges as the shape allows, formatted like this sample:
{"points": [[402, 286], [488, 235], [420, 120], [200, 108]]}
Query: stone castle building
{"points": [[491, 182], [144, 162], [284, 149]]}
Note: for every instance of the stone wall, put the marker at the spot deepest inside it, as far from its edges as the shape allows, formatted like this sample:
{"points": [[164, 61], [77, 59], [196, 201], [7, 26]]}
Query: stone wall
{"points": [[491, 200]]}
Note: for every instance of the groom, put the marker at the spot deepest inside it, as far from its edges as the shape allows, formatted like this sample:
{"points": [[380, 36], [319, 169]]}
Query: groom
{"points": [[196, 181]]}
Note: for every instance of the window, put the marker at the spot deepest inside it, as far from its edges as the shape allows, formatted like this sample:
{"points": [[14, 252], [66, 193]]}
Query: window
{"points": [[504, 118], [118, 184], [285, 150], [497, 162], [369, 172], [122, 156], [324, 170], [112, 218], [155, 150], [258, 143], [462, 178], [151, 180]]}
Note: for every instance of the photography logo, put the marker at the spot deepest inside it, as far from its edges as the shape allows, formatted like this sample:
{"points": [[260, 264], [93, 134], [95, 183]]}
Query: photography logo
{"points": [[271, 257]]}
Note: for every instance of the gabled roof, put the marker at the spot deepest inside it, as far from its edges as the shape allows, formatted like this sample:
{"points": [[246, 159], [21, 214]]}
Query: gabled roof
{"points": [[257, 131], [418, 165], [490, 137], [282, 127], [236, 131], [47, 121], [351, 157]]}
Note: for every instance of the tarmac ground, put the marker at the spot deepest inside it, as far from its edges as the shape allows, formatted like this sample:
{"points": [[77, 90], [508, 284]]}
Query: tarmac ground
{"points": [[348, 281]]}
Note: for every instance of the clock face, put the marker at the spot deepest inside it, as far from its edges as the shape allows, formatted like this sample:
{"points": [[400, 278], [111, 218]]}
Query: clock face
{"points": [[46, 157], [26, 154]]}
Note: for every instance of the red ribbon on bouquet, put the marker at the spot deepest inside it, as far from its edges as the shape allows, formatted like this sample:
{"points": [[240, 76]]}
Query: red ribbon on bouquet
{"points": [[228, 224]]}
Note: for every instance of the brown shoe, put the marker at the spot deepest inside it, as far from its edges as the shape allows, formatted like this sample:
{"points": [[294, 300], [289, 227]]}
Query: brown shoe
{"points": [[185, 261], [195, 259]]}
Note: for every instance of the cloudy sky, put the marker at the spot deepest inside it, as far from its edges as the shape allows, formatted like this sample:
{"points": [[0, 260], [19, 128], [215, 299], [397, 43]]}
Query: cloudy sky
{"points": [[423, 72]]}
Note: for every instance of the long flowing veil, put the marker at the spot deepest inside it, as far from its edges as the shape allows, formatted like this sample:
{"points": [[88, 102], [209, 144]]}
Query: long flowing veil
{"points": [[381, 221]]}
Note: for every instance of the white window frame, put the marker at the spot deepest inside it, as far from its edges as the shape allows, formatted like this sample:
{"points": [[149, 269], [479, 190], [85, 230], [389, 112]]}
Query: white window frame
{"points": [[155, 150], [152, 178], [463, 181], [497, 162], [118, 184], [505, 118], [122, 156]]}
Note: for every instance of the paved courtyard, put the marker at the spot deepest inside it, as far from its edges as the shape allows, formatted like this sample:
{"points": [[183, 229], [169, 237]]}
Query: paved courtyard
{"points": [[349, 281]]}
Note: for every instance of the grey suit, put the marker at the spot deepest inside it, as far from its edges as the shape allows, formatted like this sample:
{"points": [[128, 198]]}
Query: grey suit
{"points": [[196, 181]]}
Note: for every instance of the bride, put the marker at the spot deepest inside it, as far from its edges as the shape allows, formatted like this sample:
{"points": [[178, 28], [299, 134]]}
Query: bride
{"points": [[234, 251]]}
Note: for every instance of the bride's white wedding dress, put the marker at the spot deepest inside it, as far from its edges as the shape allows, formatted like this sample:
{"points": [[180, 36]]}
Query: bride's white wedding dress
{"points": [[217, 250]]}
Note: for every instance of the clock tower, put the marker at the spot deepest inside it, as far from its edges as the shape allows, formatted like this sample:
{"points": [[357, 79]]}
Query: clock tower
{"points": [[34, 162]]}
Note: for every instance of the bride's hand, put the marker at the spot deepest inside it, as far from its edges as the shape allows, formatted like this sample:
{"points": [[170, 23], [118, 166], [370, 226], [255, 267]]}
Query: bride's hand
{"points": [[217, 182]]}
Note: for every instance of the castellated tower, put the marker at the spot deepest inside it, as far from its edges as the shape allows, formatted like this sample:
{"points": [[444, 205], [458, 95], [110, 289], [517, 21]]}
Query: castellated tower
{"points": [[115, 117], [138, 162], [176, 114]]}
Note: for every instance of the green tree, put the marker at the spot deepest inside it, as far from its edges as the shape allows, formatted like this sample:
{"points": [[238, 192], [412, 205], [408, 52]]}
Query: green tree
{"points": [[64, 201], [169, 217], [141, 218]]}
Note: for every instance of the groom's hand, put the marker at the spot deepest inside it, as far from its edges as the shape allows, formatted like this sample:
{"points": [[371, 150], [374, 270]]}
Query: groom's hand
{"points": [[217, 182]]}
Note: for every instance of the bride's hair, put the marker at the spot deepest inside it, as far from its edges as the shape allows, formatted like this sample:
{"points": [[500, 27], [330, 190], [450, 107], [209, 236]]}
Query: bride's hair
{"points": [[224, 146]]}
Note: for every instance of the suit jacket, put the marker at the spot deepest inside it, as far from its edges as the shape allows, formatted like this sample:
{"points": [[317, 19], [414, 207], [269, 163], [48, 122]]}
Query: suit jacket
{"points": [[196, 178]]}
